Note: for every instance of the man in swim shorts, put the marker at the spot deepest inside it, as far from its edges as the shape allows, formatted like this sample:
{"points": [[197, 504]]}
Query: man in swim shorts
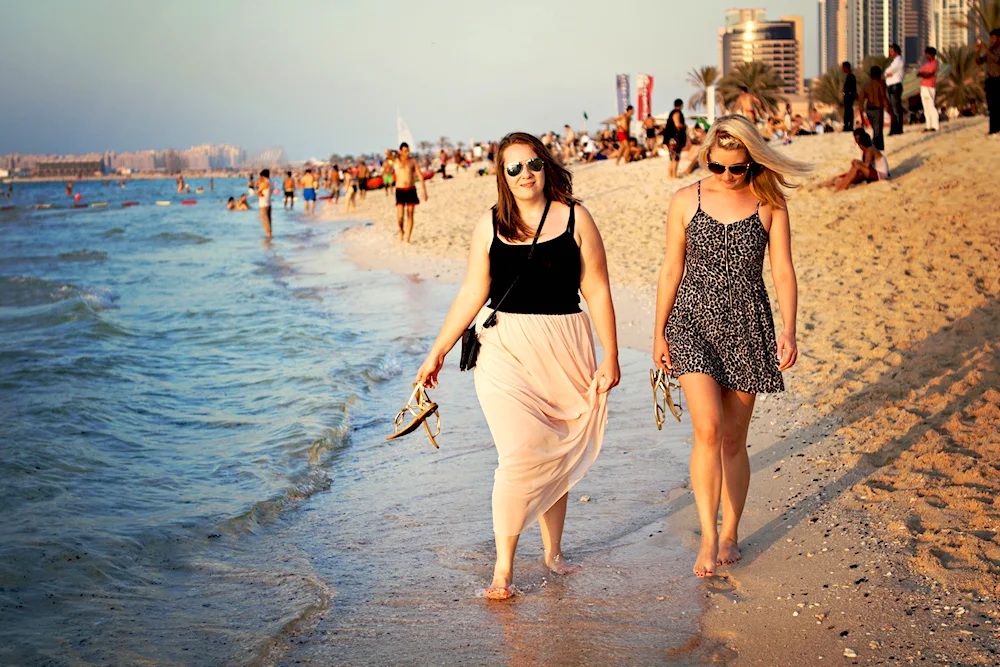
{"points": [[289, 185], [309, 191], [623, 124], [407, 172]]}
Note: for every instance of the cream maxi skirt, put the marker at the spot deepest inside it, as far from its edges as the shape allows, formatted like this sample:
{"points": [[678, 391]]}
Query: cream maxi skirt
{"points": [[535, 381]]}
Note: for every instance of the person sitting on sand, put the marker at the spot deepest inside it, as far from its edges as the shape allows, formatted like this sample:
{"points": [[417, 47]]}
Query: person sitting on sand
{"points": [[231, 204], [634, 149], [872, 166], [242, 204]]}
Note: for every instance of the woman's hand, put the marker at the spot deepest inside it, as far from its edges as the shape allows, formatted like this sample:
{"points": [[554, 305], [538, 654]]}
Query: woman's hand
{"points": [[427, 376], [788, 352], [661, 354], [608, 374]]}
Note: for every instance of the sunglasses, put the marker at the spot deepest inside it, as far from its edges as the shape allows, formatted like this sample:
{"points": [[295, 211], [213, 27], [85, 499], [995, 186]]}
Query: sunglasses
{"points": [[734, 169], [661, 382], [535, 164]]}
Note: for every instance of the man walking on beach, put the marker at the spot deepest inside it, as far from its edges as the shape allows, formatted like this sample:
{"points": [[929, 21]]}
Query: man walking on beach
{"points": [[624, 123], [407, 172], [928, 90], [894, 82], [850, 96], [875, 100], [309, 185], [263, 189], [569, 144], [362, 179], [990, 57], [289, 187], [335, 184]]}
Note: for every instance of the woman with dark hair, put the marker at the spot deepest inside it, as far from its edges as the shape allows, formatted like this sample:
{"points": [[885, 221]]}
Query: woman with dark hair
{"points": [[544, 395], [870, 168], [714, 329]]}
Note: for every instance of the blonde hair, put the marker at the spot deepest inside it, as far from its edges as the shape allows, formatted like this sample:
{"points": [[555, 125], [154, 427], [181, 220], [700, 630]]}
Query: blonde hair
{"points": [[769, 173]]}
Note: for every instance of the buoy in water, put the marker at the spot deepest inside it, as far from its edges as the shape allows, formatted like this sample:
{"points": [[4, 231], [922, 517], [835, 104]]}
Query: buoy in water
{"points": [[188, 202], [163, 203], [130, 203], [99, 204], [77, 196]]}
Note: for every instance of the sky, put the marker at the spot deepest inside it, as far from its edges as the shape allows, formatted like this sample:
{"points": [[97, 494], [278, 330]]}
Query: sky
{"points": [[317, 77]]}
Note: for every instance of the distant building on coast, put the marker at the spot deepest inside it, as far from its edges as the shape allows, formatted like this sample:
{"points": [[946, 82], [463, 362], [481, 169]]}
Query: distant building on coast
{"points": [[749, 37], [832, 33], [68, 168], [916, 31]]}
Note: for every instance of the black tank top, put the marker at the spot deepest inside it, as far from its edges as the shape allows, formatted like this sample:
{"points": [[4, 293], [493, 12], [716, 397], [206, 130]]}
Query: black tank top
{"points": [[549, 283]]}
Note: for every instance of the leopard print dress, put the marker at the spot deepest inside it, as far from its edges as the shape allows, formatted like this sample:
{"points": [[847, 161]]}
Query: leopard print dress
{"points": [[721, 322]]}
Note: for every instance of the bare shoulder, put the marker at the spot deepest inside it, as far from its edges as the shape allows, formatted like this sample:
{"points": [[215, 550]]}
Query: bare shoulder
{"points": [[685, 200], [584, 220], [484, 222]]}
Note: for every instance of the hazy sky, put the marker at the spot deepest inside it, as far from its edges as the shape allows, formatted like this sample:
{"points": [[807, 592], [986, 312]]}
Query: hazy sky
{"points": [[321, 76]]}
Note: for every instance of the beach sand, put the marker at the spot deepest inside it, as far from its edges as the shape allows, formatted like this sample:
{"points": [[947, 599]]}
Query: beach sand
{"points": [[872, 525]]}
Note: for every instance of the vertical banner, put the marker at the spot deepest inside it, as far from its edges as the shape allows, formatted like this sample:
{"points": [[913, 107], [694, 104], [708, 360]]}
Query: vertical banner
{"points": [[623, 91], [645, 96]]}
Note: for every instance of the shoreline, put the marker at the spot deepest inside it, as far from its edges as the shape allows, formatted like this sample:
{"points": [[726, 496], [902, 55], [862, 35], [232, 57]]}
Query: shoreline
{"points": [[872, 533]]}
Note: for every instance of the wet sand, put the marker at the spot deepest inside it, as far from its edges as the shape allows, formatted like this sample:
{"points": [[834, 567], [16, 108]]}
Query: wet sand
{"points": [[871, 527]]}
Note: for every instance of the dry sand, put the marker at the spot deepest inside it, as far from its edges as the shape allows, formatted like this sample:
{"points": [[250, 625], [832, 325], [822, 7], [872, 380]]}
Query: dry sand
{"points": [[873, 519]]}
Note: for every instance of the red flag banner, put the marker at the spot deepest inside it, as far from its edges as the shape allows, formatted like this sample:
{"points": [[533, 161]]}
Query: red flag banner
{"points": [[645, 100]]}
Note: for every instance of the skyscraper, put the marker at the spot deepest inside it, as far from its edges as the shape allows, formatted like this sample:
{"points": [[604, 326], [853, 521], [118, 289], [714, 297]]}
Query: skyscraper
{"points": [[749, 37], [873, 26], [832, 33], [916, 31], [951, 19]]}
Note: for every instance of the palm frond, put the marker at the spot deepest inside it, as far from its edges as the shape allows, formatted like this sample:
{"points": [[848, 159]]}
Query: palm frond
{"points": [[759, 79]]}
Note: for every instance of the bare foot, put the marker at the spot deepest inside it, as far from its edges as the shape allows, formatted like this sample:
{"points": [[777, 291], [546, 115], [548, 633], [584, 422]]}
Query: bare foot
{"points": [[559, 565], [704, 565], [500, 589], [729, 553]]}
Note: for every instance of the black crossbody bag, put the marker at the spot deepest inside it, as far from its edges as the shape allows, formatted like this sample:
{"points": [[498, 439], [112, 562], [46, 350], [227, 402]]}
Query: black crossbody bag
{"points": [[470, 341]]}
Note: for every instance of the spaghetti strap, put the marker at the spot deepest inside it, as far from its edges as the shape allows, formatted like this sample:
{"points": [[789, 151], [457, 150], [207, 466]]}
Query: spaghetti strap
{"points": [[571, 225], [699, 194], [494, 223]]}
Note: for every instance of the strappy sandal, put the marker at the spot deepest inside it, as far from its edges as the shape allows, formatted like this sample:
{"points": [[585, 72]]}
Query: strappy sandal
{"points": [[420, 411], [661, 382]]}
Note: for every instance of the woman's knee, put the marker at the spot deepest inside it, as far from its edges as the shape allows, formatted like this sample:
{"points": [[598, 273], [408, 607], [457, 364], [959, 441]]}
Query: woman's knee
{"points": [[733, 445], [708, 434]]}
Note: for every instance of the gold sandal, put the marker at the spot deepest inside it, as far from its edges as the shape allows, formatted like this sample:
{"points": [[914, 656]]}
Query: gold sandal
{"points": [[420, 411], [660, 381]]}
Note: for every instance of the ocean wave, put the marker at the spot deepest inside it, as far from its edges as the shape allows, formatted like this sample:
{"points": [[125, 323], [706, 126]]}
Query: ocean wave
{"points": [[181, 237], [84, 256], [28, 291], [114, 231]]}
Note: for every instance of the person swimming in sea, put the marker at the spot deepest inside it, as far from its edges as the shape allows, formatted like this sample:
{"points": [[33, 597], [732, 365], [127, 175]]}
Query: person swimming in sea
{"points": [[231, 204]]}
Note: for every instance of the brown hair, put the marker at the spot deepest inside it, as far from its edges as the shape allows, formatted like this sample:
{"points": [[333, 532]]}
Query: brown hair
{"points": [[558, 186]]}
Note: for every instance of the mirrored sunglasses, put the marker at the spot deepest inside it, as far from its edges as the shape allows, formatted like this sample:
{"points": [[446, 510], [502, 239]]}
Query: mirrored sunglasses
{"points": [[535, 164]]}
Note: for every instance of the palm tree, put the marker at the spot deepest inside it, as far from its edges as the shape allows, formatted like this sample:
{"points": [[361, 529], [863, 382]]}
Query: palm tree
{"points": [[829, 88], [759, 79], [701, 78], [963, 85], [445, 143], [425, 147], [460, 145]]}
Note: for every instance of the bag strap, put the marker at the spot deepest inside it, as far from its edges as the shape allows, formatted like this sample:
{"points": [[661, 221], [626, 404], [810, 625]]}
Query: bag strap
{"points": [[492, 319]]}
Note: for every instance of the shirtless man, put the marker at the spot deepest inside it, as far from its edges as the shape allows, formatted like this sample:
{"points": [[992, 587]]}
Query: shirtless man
{"points": [[747, 104], [407, 171], [623, 124], [289, 186], [569, 144], [388, 170], [335, 184], [362, 179], [309, 185]]}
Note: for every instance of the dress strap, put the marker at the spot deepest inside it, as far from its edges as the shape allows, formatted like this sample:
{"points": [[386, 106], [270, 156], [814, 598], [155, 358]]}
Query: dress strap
{"points": [[699, 194], [494, 223], [571, 225]]}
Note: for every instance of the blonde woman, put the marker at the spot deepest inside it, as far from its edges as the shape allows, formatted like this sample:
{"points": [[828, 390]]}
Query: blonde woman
{"points": [[544, 395], [714, 329]]}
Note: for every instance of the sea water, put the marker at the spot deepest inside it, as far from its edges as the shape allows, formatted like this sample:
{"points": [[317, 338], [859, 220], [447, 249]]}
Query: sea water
{"points": [[194, 467]]}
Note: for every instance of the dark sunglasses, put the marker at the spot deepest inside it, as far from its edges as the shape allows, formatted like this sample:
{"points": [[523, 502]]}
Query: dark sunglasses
{"points": [[535, 164], [734, 169]]}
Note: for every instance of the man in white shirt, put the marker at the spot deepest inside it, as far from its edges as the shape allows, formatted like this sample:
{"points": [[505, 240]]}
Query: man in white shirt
{"points": [[894, 80]]}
